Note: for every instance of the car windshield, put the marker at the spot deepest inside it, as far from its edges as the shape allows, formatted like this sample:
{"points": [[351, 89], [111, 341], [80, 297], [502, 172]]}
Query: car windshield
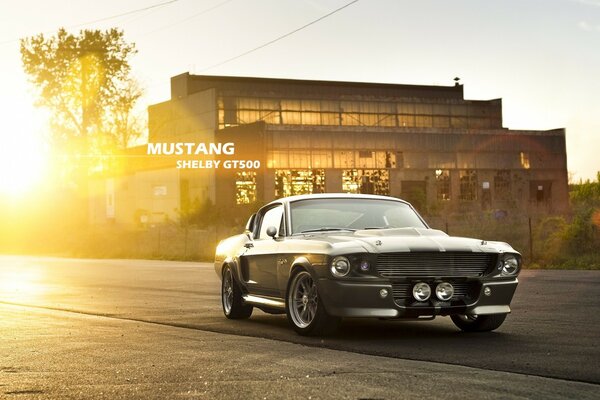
{"points": [[313, 215]]}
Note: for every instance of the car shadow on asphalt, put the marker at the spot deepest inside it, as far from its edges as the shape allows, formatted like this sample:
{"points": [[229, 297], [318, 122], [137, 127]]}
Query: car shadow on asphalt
{"points": [[277, 327]]}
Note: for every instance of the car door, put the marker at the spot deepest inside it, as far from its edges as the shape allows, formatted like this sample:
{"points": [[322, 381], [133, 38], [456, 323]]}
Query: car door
{"points": [[260, 260]]}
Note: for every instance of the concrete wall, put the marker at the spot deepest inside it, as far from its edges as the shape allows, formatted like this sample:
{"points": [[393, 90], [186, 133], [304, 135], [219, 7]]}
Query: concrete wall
{"points": [[190, 118], [143, 198]]}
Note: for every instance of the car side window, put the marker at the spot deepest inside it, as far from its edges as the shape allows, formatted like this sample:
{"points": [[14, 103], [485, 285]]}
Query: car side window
{"points": [[272, 217]]}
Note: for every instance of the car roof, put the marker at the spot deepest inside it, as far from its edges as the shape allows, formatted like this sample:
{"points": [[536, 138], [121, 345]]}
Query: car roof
{"points": [[292, 199]]}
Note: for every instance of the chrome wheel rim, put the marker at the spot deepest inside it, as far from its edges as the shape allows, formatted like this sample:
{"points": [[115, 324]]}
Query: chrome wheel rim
{"points": [[227, 291], [303, 299]]}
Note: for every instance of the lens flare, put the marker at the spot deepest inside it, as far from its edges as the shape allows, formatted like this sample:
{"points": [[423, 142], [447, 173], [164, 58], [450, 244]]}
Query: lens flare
{"points": [[22, 156], [20, 285]]}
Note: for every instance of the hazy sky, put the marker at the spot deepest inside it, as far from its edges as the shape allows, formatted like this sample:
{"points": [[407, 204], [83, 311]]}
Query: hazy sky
{"points": [[542, 57]]}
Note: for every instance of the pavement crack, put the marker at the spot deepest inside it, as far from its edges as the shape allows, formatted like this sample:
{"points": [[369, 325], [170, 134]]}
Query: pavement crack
{"points": [[32, 391]]}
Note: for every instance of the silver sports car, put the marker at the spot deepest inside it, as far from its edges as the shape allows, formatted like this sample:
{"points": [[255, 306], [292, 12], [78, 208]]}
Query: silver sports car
{"points": [[319, 258]]}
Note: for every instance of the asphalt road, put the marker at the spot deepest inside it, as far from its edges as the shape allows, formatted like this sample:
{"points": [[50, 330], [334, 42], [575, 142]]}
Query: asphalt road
{"points": [[74, 328]]}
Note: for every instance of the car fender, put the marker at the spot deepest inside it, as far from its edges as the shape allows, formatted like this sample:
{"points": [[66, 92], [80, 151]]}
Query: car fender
{"points": [[228, 252], [297, 264]]}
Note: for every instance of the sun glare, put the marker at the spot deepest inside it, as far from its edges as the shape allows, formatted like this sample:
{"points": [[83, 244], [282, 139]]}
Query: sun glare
{"points": [[22, 156], [21, 284]]}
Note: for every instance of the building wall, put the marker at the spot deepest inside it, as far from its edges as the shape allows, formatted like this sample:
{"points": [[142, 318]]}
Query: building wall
{"points": [[189, 118], [144, 197], [490, 169], [192, 117], [426, 144]]}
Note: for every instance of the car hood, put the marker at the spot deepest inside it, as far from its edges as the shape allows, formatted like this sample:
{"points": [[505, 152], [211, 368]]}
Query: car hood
{"points": [[407, 240]]}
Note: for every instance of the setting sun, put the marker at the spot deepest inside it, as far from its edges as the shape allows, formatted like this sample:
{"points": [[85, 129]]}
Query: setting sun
{"points": [[22, 156]]}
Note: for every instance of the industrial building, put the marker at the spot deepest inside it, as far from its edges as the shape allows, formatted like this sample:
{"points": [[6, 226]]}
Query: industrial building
{"points": [[425, 144]]}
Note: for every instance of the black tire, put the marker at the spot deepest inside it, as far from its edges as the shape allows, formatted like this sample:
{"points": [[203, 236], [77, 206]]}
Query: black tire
{"points": [[233, 304], [304, 308], [478, 323]]}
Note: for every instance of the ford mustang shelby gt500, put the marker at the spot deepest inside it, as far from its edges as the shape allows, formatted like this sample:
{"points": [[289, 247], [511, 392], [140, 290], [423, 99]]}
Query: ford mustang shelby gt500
{"points": [[319, 258]]}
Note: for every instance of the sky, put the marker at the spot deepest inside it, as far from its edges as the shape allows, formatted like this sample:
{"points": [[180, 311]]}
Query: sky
{"points": [[542, 57]]}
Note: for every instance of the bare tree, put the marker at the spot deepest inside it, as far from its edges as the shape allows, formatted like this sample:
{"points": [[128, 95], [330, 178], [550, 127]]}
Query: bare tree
{"points": [[84, 80]]}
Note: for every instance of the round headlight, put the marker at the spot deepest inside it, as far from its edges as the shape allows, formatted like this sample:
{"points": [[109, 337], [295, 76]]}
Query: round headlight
{"points": [[510, 265], [340, 266], [444, 291], [421, 291]]}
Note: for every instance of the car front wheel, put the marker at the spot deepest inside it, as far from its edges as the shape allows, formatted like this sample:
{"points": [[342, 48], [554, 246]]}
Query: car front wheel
{"points": [[478, 323], [304, 307], [231, 297]]}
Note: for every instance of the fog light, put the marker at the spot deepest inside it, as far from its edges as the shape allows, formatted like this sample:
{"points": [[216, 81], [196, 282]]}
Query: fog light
{"points": [[364, 266], [383, 293], [487, 291], [444, 291], [421, 291]]}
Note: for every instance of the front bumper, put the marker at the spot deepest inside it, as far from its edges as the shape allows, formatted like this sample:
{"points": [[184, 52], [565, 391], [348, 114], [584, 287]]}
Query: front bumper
{"points": [[345, 298]]}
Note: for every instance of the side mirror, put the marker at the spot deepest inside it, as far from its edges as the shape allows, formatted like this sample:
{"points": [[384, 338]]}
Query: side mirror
{"points": [[272, 231]]}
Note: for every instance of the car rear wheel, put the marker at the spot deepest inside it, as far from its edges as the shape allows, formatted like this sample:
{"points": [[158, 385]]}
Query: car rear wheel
{"points": [[304, 307], [478, 323], [231, 297]]}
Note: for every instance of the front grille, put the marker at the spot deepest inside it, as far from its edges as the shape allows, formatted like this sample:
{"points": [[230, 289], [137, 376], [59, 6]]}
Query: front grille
{"points": [[440, 264], [462, 290], [403, 291]]}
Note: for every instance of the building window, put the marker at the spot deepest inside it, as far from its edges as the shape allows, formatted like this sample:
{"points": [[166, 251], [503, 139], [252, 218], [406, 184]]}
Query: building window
{"points": [[502, 185], [234, 110], [227, 112], [424, 121], [539, 194], [289, 182], [524, 160], [400, 159], [368, 181], [441, 122], [468, 185], [540, 191], [406, 120], [465, 160], [458, 122], [385, 159], [486, 196], [415, 160], [343, 159], [441, 160], [374, 159], [245, 187], [442, 181], [301, 159], [278, 159]]}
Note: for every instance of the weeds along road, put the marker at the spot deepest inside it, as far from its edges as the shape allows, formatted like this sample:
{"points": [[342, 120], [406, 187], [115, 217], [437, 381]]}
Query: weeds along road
{"points": [[123, 328]]}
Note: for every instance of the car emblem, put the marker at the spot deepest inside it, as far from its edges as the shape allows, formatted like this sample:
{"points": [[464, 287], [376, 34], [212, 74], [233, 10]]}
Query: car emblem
{"points": [[378, 243]]}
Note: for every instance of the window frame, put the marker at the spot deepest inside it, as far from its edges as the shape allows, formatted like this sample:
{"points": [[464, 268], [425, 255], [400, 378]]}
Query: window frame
{"points": [[261, 216]]}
